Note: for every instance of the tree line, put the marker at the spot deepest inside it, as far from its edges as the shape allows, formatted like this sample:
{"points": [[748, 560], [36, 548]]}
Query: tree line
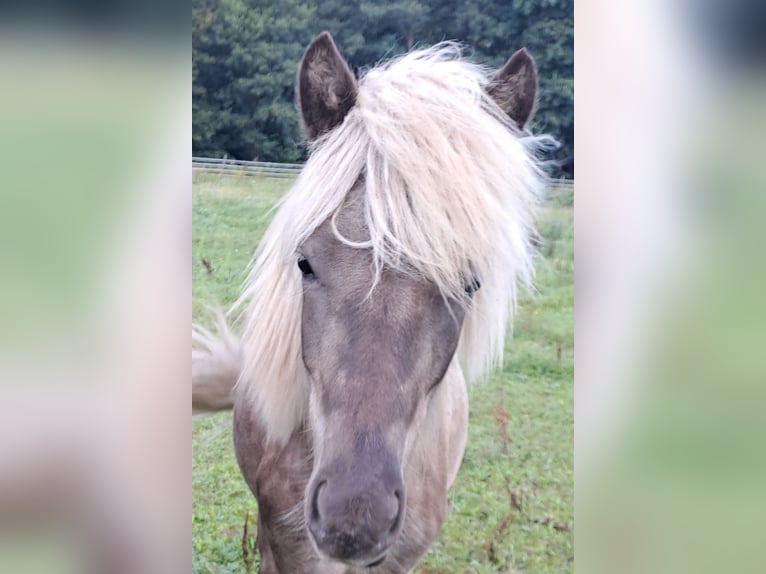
{"points": [[245, 56]]}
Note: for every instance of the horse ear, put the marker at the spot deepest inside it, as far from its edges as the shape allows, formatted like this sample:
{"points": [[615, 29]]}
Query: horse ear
{"points": [[326, 87], [514, 87]]}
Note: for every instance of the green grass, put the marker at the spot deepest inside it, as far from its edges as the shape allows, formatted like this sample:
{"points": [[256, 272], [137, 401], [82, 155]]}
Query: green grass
{"points": [[511, 508]]}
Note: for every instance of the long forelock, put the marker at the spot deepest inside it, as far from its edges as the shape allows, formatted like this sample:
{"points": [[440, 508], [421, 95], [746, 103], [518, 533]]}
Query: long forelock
{"points": [[449, 191]]}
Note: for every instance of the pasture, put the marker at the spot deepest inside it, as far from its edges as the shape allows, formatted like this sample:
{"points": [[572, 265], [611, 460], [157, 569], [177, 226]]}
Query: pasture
{"points": [[511, 508]]}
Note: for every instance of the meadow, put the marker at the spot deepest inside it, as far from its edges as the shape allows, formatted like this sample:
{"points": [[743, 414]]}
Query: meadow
{"points": [[511, 507]]}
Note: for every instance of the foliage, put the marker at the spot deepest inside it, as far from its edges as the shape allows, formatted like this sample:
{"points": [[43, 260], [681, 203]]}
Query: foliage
{"points": [[245, 55], [246, 52], [511, 508]]}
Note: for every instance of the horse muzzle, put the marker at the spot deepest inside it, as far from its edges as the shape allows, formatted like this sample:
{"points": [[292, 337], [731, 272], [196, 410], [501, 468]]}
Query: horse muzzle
{"points": [[356, 517]]}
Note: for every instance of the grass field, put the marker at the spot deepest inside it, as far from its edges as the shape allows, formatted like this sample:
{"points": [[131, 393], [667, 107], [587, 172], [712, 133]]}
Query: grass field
{"points": [[511, 508]]}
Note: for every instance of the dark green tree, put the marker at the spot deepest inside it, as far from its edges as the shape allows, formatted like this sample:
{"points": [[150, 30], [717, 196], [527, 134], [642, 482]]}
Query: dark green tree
{"points": [[493, 29], [246, 53], [245, 57]]}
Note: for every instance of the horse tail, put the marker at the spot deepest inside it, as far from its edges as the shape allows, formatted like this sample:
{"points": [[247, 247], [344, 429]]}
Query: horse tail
{"points": [[216, 365]]}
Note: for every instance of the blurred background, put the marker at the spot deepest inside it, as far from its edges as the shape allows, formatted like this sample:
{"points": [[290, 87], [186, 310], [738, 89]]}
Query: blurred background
{"points": [[95, 286], [670, 320]]}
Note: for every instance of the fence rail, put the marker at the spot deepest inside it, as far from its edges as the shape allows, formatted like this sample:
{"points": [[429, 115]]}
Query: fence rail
{"points": [[239, 167], [277, 170]]}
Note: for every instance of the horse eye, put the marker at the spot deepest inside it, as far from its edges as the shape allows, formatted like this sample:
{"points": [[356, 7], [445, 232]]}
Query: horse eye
{"points": [[472, 287], [305, 267]]}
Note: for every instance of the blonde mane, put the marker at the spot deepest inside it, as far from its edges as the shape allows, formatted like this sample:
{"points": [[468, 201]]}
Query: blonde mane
{"points": [[449, 190]]}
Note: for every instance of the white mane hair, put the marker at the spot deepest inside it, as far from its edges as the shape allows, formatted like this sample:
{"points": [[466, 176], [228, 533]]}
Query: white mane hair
{"points": [[449, 188]]}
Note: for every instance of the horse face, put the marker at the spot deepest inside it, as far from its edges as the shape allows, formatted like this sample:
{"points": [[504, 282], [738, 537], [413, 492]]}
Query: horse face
{"points": [[375, 347], [374, 355]]}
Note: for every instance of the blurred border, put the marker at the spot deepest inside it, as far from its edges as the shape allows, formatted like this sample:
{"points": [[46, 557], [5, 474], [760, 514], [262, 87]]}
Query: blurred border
{"points": [[670, 278], [95, 236]]}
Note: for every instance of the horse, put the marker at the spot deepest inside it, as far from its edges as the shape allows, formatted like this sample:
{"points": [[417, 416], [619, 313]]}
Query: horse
{"points": [[385, 281]]}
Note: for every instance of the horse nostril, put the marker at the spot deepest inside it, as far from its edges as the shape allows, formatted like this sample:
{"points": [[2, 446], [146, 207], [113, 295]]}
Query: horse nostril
{"points": [[399, 510], [315, 504]]}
